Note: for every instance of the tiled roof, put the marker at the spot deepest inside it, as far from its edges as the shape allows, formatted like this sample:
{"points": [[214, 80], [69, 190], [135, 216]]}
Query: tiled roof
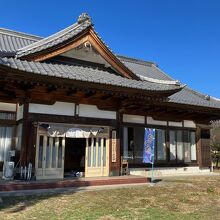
{"points": [[191, 97], [57, 38], [144, 68], [139, 67], [86, 74], [11, 41], [184, 96]]}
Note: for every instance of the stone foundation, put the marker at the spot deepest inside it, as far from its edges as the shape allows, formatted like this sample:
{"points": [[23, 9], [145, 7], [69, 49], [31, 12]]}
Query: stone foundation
{"points": [[169, 171]]}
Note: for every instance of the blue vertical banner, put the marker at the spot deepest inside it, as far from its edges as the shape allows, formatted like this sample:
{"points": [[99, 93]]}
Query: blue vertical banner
{"points": [[149, 143]]}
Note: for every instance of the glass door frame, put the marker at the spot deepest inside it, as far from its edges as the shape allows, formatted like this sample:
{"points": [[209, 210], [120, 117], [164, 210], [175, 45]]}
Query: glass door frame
{"points": [[55, 145], [94, 167]]}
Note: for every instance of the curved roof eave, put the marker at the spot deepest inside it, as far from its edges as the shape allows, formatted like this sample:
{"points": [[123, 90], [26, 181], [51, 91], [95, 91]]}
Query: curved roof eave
{"points": [[87, 74]]}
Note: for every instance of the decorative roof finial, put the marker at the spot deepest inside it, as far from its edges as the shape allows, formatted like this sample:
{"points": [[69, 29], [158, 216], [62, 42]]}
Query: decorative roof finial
{"points": [[84, 17]]}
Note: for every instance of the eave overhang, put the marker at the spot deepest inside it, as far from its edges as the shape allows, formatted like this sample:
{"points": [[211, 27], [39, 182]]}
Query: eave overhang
{"points": [[16, 74]]}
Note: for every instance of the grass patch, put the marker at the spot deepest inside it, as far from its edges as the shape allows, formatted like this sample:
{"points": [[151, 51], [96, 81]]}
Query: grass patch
{"points": [[173, 198]]}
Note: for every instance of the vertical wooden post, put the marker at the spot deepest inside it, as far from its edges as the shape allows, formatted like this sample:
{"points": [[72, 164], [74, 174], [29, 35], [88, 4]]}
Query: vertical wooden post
{"points": [[114, 165], [204, 152], [25, 134], [198, 146], [119, 142]]}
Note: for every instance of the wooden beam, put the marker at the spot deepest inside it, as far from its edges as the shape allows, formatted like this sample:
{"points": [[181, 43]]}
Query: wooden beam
{"points": [[133, 107], [89, 94], [106, 97], [51, 88], [25, 85], [7, 122], [9, 93], [71, 91], [71, 119]]}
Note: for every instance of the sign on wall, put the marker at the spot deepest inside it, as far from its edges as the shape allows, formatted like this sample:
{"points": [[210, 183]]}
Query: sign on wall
{"points": [[114, 152]]}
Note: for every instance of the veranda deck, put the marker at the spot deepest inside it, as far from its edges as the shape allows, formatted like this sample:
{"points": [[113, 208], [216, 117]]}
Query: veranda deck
{"points": [[75, 182]]}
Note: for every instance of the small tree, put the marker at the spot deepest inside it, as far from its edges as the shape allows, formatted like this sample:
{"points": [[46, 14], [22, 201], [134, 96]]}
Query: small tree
{"points": [[215, 152], [215, 143]]}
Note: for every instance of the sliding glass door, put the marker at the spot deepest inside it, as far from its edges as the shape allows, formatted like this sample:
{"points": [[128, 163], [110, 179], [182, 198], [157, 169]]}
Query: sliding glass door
{"points": [[6, 135], [97, 154], [49, 162]]}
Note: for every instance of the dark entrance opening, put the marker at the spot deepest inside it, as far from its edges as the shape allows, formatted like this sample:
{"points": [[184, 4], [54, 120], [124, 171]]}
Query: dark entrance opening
{"points": [[74, 162]]}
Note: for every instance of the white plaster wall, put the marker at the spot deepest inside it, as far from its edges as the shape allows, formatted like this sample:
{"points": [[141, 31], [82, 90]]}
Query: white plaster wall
{"points": [[189, 124], [59, 108], [134, 119], [7, 106], [92, 111], [175, 124], [151, 121]]}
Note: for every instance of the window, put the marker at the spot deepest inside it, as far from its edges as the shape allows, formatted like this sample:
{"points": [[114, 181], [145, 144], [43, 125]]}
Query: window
{"points": [[48, 149], [172, 145], [193, 145], [94, 152], [104, 152], [59, 163], [133, 143], [189, 146], [89, 151], [160, 148], [99, 152], [179, 137], [176, 145], [182, 145], [54, 152], [40, 152], [7, 116], [6, 136]]}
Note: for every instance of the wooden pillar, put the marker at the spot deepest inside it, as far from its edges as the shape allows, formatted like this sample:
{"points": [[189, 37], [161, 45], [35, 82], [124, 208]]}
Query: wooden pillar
{"points": [[203, 146], [198, 146], [206, 149], [115, 151], [119, 142], [25, 134]]}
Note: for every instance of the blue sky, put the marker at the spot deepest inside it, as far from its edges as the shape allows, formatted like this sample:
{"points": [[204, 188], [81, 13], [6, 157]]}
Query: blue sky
{"points": [[182, 36]]}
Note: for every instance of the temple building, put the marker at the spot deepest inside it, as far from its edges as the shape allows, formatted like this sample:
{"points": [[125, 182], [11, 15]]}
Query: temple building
{"points": [[68, 104]]}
